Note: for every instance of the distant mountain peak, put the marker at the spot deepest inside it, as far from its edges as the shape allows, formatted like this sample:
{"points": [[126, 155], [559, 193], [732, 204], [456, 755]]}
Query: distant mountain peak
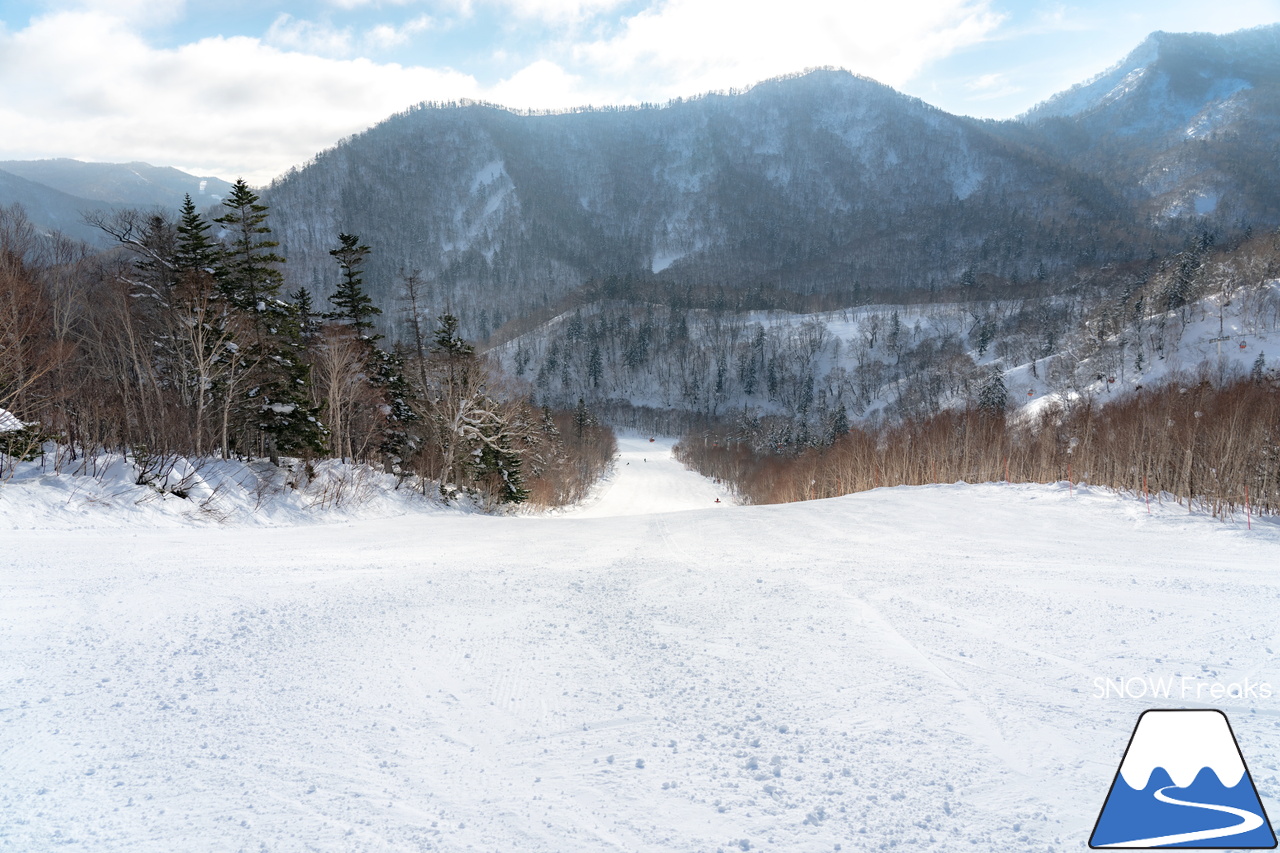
{"points": [[1250, 53]]}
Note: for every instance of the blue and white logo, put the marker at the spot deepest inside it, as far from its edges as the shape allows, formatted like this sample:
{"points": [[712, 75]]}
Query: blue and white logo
{"points": [[1183, 783]]}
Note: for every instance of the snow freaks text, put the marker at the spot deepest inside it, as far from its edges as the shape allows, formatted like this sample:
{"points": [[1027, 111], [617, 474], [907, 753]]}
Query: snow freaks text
{"points": [[1178, 687]]}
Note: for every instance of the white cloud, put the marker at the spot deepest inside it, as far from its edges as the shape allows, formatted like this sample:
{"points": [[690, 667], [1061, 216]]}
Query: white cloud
{"points": [[988, 87], [545, 85], [323, 39], [83, 85], [558, 10], [289, 33], [86, 84], [360, 4], [385, 36], [708, 44], [140, 12]]}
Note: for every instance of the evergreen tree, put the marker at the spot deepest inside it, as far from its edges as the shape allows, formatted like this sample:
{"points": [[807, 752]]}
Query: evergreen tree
{"points": [[196, 251], [581, 418], [1258, 373], [387, 375], [986, 334], [308, 319], [277, 403], [285, 414], [993, 397], [352, 306], [464, 416], [383, 371], [595, 366], [839, 425], [499, 467], [249, 275], [210, 327], [448, 342]]}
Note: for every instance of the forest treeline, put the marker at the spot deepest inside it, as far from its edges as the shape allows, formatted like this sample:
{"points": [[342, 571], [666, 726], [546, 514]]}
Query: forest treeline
{"points": [[1206, 445], [715, 354], [182, 342]]}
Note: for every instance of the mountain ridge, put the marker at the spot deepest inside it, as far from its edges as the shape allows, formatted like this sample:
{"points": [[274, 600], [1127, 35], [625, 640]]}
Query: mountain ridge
{"points": [[813, 183]]}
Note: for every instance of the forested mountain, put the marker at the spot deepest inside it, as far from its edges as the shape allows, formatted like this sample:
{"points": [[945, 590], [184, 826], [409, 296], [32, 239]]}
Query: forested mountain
{"points": [[821, 183], [824, 182], [131, 184], [57, 193], [51, 209], [1187, 124]]}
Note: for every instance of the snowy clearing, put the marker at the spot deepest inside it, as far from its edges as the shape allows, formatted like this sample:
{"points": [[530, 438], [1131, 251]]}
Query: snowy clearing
{"points": [[909, 667]]}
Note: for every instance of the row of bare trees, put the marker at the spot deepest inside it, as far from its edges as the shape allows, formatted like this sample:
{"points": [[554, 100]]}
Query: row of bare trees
{"points": [[1204, 445]]}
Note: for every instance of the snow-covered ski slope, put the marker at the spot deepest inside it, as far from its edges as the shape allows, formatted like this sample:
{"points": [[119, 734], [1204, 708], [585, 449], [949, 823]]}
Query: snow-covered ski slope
{"points": [[906, 668], [646, 479]]}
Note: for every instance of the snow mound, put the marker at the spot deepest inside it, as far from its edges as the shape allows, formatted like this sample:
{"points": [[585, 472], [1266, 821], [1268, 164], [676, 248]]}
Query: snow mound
{"points": [[112, 489], [9, 422]]}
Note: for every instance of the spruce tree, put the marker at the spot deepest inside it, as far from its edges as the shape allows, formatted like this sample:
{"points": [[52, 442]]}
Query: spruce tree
{"points": [[196, 251], [352, 306], [582, 418], [501, 468], [387, 374], [448, 342], [278, 399], [249, 275], [993, 398], [384, 371], [839, 424], [307, 316]]}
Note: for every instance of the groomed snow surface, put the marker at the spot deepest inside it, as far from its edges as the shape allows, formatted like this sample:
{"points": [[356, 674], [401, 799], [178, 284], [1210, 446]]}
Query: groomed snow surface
{"points": [[907, 668]]}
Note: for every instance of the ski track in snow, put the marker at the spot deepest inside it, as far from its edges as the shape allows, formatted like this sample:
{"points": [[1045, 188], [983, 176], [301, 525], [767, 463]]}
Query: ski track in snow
{"points": [[907, 668]]}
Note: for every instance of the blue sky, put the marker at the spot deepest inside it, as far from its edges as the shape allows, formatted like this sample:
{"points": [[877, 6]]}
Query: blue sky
{"points": [[245, 88]]}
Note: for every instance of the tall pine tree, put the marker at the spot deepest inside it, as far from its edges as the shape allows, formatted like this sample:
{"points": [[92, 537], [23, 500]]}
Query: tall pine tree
{"points": [[196, 251], [352, 306], [384, 371], [277, 403]]}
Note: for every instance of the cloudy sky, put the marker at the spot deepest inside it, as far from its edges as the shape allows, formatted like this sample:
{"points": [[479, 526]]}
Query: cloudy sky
{"points": [[249, 88]]}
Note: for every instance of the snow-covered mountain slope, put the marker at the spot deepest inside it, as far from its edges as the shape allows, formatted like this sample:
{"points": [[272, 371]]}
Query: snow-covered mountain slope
{"points": [[811, 183], [56, 194], [1186, 124], [129, 184], [894, 360], [1220, 337], [906, 669], [49, 209]]}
